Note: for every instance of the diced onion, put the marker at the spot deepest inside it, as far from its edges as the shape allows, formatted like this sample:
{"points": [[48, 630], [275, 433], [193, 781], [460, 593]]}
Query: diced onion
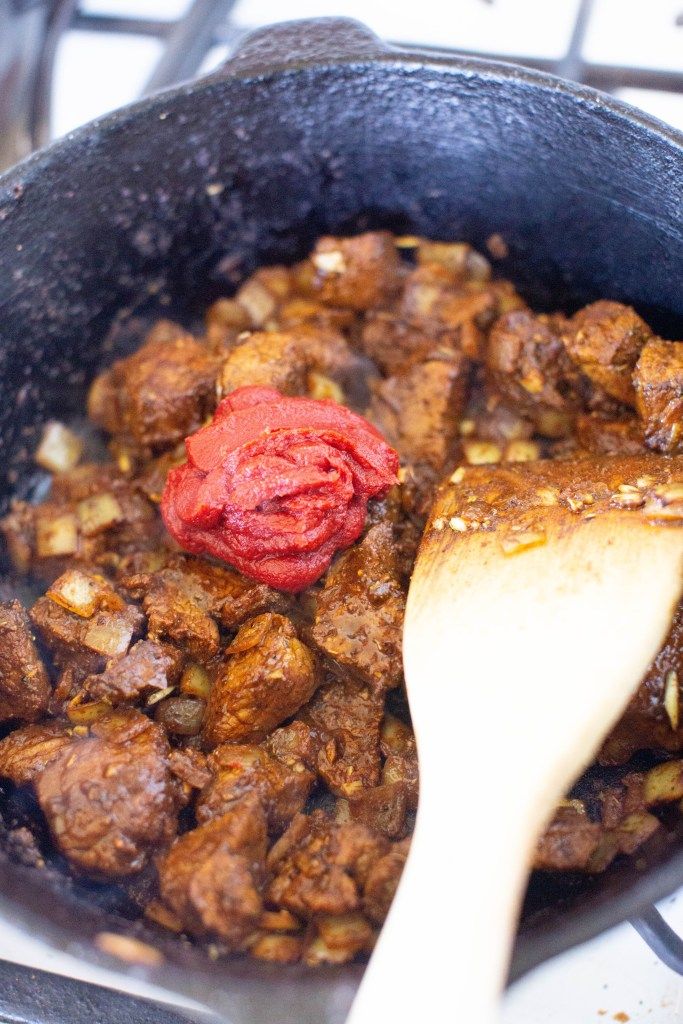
{"points": [[56, 536], [59, 449]]}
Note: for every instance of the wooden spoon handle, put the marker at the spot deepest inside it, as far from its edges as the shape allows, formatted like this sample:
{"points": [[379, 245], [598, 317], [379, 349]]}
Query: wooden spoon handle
{"points": [[442, 955]]}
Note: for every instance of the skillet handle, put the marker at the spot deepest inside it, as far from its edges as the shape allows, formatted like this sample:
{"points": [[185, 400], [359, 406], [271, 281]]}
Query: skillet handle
{"points": [[660, 937], [309, 40]]}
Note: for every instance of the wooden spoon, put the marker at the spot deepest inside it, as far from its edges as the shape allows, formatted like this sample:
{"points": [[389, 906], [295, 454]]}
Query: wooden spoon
{"points": [[540, 595]]}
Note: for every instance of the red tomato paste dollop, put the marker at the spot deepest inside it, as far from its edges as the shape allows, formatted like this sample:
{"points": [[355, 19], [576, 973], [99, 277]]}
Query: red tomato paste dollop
{"points": [[276, 485]]}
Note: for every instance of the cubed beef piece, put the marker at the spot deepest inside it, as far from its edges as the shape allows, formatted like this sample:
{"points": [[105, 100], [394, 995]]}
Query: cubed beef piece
{"points": [[212, 876], [658, 383], [24, 682], [652, 719], [216, 590], [275, 948], [267, 676], [403, 769], [397, 743], [601, 436], [297, 311], [109, 798], [395, 344], [293, 745], [225, 320], [382, 882], [176, 613], [418, 412], [383, 809], [142, 671], [489, 418], [528, 365], [289, 361], [84, 622], [158, 395], [337, 939], [238, 770], [359, 612], [435, 293], [269, 359], [356, 273], [573, 842], [190, 767], [568, 842], [321, 867], [27, 751], [345, 718], [604, 340]]}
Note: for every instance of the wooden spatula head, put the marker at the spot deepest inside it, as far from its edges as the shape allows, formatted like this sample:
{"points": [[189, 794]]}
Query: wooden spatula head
{"points": [[541, 593]]}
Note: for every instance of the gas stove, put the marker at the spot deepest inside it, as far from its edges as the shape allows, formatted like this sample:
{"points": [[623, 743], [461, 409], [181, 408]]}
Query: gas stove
{"points": [[72, 60]]}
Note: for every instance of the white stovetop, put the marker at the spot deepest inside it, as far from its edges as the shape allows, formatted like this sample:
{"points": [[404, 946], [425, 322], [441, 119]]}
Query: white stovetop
{"points": [[615, 977]]}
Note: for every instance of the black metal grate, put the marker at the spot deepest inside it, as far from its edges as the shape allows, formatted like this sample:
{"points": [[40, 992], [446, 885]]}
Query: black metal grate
{"points": [[208, 23]]}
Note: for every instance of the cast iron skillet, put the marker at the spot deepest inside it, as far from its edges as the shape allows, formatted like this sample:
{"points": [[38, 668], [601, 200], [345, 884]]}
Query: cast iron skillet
{"points": [[317, 127]]}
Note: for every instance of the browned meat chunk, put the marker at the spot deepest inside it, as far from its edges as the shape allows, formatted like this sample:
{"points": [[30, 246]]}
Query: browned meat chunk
{"points": [[345, 719], [658, 382], [528, 365], [270, 359], [217, 590], [357, 273], [84, 622], [26, 752], [109, 798], [225, 320], [190, 768], [439, 293], [395, 344], [211, 877], [238, 770], [383, 809], [320, 867], [403, 769], [610, 437], [572, 842], [359, 612], [159, 395], [337, 938], [144, 670], [267, 676], [24, 683], [568, 842], [294, 744], [605, 340], [291, 361], [297, 311], [382, 882], [175, 614], [418, 412], [653, 720]]}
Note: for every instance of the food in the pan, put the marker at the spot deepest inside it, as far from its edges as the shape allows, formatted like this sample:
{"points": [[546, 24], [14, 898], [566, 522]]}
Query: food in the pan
{"points": [[211, 715]]}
